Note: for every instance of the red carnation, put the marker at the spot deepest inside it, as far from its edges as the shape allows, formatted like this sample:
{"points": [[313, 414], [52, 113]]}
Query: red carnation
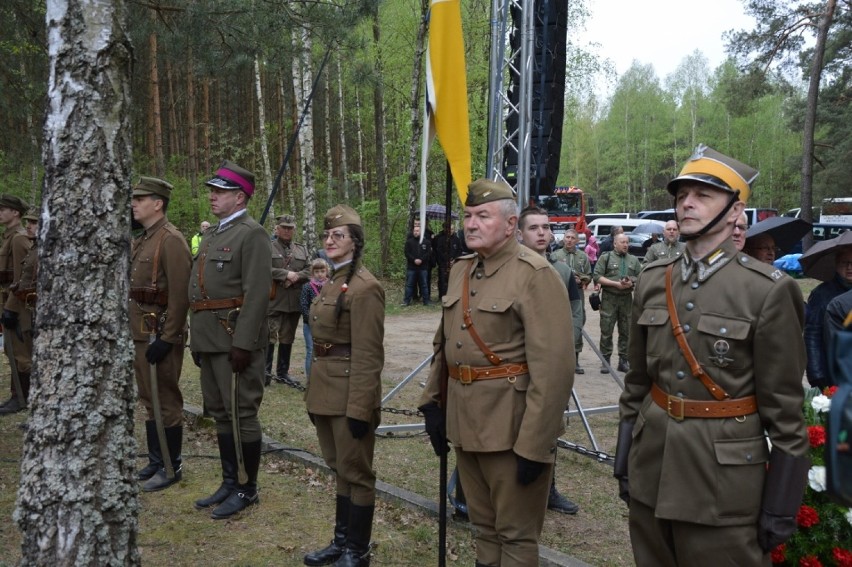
{"points": [[779, 554], [809, 561], [829, 391], [843, 557], [807, 517], [816, 435]]}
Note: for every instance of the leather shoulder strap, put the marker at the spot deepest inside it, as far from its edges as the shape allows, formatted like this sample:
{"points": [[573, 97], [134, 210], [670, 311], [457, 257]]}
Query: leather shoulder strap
{"points": [[677, 330], [489, 354]]}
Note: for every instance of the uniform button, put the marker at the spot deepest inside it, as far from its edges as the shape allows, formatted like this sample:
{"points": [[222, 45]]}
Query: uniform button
{"points": [[686, 328], [744, 259], [723, 331], [690, 306], [473, 292], [653, 318], [494, 307], [458, 344], [479, 275], [464, 327], [679, 394], [748, 457], [680, 374], [695, 285], [315, 317]]}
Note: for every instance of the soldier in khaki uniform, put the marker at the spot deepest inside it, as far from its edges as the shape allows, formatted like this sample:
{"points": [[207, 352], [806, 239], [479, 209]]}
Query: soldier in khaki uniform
{"points": [[669, 247], [159, 273], [579, 263], [616, 273], [14, 246], [703, 486], [290, 269], [345, 389], [505, 329], [229, 299]]}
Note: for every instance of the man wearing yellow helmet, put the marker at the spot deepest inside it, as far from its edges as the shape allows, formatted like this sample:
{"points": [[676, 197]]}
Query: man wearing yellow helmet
{"points": [[707, 386]]}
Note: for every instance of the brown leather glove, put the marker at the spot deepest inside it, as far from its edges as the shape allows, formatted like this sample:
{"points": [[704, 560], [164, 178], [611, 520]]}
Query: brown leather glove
{"points": [[239, 358]]}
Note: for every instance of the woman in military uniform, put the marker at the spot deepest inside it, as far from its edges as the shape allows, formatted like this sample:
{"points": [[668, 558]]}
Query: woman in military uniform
{"points": [[344, 391]]}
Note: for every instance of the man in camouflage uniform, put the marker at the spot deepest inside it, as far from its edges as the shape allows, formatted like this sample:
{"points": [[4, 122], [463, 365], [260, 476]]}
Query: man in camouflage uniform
{"points": [[290, 269], [159, 272], [14, 246], [229, 299], [502, 340], [670, 247], [579, 263], [616, 273], [717, 358]]}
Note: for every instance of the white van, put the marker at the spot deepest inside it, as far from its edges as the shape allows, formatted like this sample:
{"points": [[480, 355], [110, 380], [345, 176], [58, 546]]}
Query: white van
{"points": [[601, 227]]}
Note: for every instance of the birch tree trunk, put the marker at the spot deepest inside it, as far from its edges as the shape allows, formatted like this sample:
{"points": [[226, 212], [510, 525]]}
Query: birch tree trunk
{"points": [[77, 499], [261, 120], [301, 88], [331, 195], [344, 169], [416, 110]]}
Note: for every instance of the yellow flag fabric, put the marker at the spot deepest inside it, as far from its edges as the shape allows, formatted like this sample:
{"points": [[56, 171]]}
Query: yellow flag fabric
{"points": [[446, 89]]}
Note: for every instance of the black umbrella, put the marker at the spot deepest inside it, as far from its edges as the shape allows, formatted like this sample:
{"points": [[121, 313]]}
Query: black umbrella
{"points": [[786, 231], [818, 262], [436, 211], [648, 228]]}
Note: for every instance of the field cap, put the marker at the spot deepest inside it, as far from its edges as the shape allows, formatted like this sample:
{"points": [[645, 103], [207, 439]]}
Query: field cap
{"points": [[340, 215], [153, 186], [484, 191]]}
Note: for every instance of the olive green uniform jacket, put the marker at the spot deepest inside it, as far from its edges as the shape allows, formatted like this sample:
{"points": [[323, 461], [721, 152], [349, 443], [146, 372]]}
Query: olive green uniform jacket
{"points": [[662, 250], [520, 308], [236, 263], [350, 386], [579, 262], [286, 258], [743, 320]]}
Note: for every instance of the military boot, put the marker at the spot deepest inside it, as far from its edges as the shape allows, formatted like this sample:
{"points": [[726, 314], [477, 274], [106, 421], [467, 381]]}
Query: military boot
{"points": [[14, 405], [228, 457], [577, 368], [155, 456], [270, 354], [357, 552], [623, 365], [283, 368], [160, 480], [244, 495], [559, 503], [335, 549], [605, 367]]}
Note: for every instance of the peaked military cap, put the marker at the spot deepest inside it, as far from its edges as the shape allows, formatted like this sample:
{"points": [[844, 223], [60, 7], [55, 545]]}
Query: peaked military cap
{"points": [[30, 216], [713, 168], [484, 191], [153, 186], [286, 220], [13, 202], [340, 215], [231, 177]]}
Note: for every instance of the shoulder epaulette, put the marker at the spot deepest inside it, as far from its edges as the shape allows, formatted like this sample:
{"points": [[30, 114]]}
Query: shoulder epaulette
{"points": [[762, 268]]}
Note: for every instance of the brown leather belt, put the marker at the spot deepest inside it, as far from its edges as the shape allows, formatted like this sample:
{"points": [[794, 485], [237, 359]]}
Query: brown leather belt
{"points": [[149, 295], [210, 304], [328, 349], [679, 408], [467, 374]]}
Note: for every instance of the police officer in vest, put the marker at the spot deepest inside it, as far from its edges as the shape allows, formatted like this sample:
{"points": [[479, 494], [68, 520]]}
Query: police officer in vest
{"points": [[159, 273], [716, 365], [229, 299]]}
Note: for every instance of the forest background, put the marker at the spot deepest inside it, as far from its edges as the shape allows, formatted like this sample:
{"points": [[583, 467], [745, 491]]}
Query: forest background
{"points": [[216, 79]]}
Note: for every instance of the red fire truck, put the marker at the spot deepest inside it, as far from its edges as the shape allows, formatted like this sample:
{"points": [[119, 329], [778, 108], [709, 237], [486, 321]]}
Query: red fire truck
{"points": [[566, 208]]}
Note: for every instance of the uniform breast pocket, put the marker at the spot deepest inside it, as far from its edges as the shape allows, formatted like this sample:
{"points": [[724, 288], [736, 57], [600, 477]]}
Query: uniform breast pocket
{"points": [[494, 319], [724, 341], [277, 260], [654, 321], [220, 261]]}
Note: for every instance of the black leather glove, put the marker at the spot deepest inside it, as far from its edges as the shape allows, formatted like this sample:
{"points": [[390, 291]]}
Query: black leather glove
{"points": [[622, 449], [774, 530], [196, 358], [624, 490], [783, 489], [528, 470], [157, 351], [357, 427], [9, 319], [436, 427], [239, 358]]}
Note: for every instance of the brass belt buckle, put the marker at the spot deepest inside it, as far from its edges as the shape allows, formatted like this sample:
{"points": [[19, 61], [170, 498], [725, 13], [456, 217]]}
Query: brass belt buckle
{"points": [[679, 401], [465, 374]]}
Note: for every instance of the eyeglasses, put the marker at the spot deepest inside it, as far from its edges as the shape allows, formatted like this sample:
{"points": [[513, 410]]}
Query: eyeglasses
{"points": [[741, 227], [336, 236], [845, 264], [767, 249]]}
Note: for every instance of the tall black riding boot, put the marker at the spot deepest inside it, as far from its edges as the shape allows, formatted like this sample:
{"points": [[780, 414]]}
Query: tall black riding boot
{"points": [[174, 439], [335, 549], [244, 495], [228, 456], [270, 354], [357, 553], [155, 456], [283, 368]]}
